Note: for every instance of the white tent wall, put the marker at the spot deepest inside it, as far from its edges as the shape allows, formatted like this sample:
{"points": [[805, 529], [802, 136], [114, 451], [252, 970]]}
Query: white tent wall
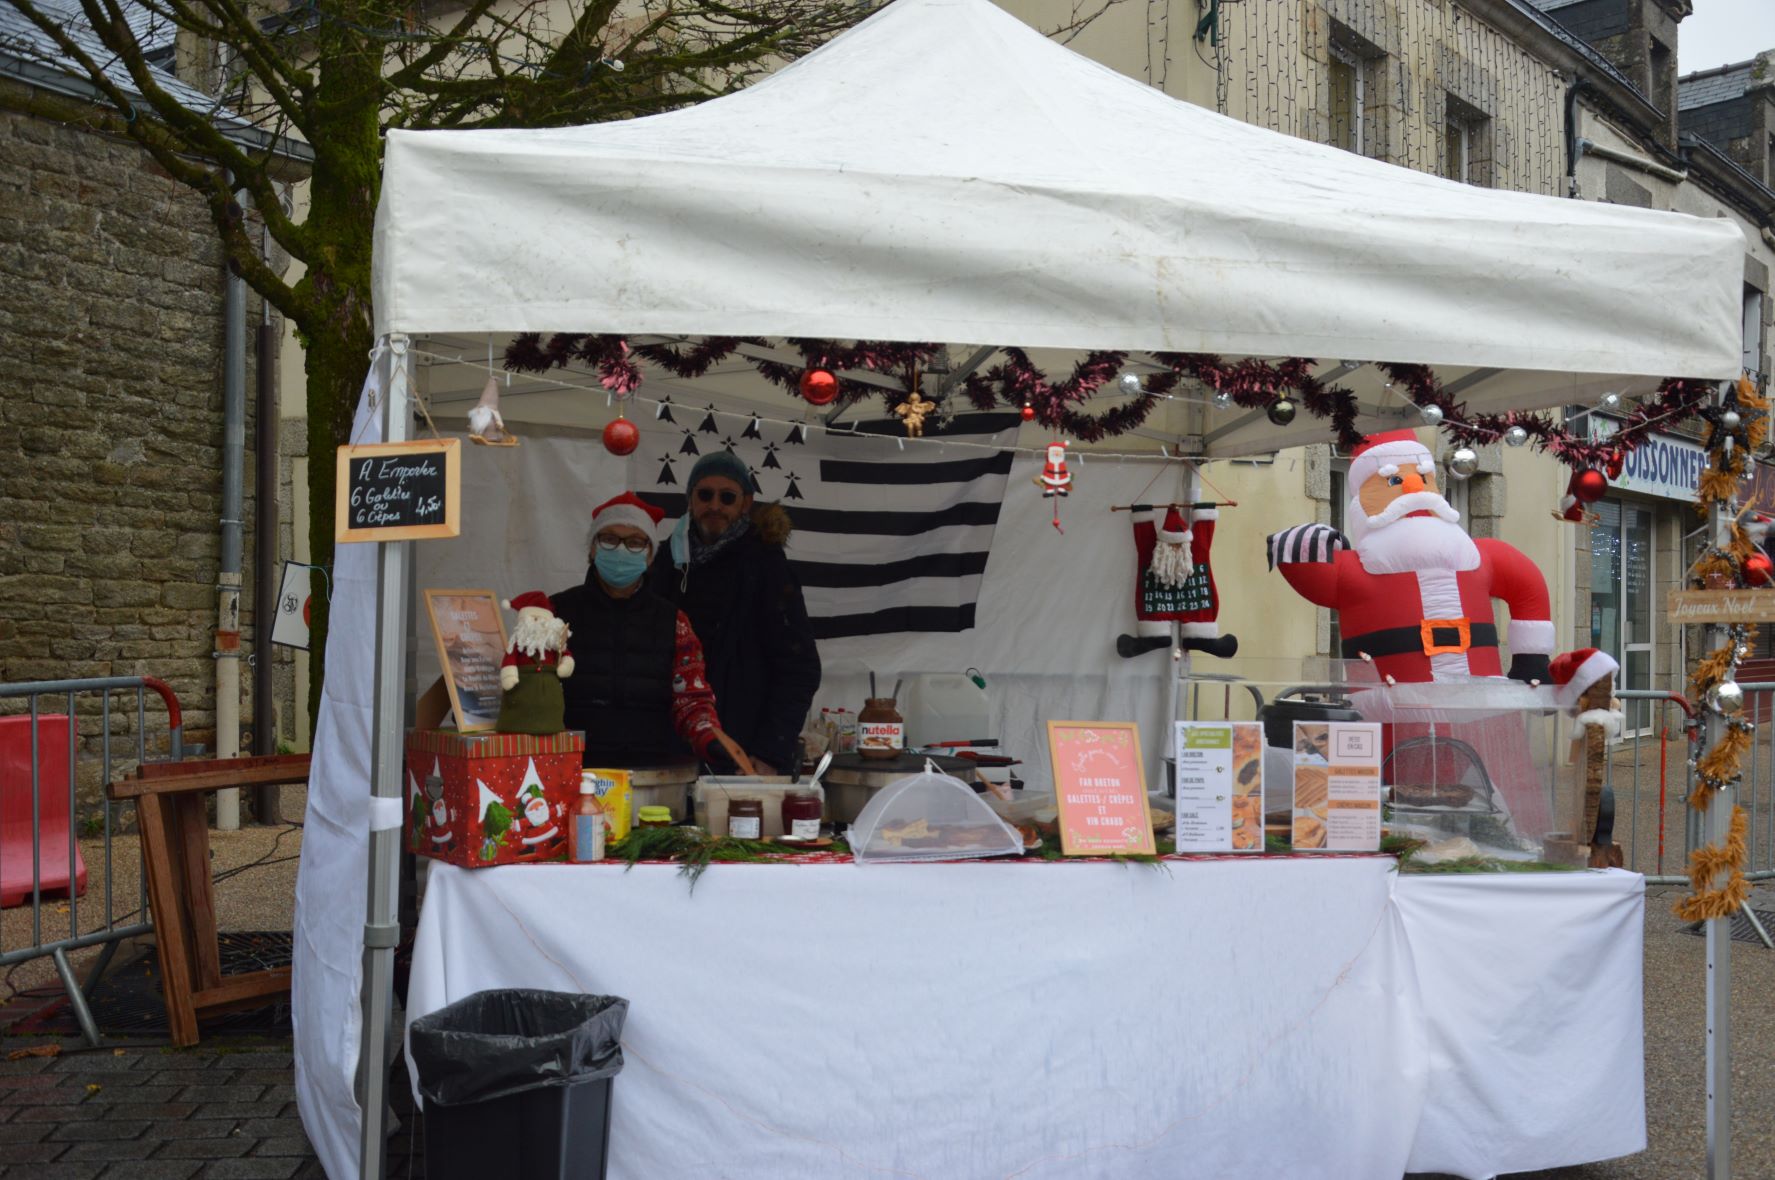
{"points": [[1050, 605]]}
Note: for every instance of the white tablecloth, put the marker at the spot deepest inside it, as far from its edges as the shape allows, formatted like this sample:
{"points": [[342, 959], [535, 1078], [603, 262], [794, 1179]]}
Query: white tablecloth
{"points": [[1284, 1017]]}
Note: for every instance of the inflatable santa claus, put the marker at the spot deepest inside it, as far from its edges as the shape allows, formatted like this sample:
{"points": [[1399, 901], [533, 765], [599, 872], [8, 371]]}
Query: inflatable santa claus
{"points": [[1412, 590]]}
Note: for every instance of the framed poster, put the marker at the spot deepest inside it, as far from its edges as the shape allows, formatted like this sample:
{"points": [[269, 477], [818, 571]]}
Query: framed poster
{"points": [[1099, 788], [1337, 786], [1219, 786], [470, 632], [404, 491]]}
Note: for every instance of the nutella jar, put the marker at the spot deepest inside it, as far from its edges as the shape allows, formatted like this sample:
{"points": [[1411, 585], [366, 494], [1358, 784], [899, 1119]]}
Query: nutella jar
{"points": [[745, 819], [881, 731]]}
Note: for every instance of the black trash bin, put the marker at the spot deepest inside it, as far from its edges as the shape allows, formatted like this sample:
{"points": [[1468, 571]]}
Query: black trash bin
{"points": [[517, 1083]]}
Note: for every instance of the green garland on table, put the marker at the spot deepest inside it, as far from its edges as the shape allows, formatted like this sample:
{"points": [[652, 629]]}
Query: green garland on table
{"points": [[695, 850]]}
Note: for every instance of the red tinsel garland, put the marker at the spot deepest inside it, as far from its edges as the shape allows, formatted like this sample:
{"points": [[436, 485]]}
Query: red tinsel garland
{"points": [[1015, 382]]}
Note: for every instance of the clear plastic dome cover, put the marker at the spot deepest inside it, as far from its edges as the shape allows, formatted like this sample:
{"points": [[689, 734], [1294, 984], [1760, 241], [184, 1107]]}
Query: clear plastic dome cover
{"points": [[930, 816]]}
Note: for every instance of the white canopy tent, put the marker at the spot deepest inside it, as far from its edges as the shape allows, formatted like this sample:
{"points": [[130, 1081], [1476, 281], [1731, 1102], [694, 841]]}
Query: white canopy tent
{"points": [[941, 173]]}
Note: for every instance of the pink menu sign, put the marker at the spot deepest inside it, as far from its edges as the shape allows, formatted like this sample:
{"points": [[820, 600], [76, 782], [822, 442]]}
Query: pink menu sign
{"points": [[1099, 788]]}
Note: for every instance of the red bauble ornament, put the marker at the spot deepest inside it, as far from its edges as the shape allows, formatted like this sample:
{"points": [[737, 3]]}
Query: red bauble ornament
{"points": [[1028, 412], [819, 387], [1590, 485], [621, 437], [1616, 460], [1758, 570]]}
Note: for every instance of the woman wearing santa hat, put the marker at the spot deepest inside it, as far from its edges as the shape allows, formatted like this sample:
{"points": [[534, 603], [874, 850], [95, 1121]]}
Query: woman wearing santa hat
{"points": [[638, 689]]}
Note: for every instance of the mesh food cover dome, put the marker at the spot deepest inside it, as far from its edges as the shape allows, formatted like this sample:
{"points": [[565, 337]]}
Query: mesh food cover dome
{"points": [[930, 816]]}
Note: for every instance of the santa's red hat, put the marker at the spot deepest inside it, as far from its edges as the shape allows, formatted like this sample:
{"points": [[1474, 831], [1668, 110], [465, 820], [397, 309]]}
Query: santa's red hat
{"points": [[1173, 528], [1572, 673], [531, 598], [628, 509], [1390, 448]]}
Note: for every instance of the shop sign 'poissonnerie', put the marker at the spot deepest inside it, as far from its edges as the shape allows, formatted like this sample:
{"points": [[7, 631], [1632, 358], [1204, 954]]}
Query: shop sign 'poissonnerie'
{"points": [[1664, 465]]}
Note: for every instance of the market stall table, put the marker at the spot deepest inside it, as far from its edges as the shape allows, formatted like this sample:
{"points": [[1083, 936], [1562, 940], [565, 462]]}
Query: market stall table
{"points": [[1309, 1016]]}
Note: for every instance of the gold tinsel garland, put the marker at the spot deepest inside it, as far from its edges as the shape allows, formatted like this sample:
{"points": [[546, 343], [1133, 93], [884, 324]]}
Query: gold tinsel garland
{"points": [[1729, 450]]}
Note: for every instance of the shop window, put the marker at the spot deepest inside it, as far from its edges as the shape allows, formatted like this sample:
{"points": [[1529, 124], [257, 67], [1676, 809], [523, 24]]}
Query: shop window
{"points": [[1622, 622]]}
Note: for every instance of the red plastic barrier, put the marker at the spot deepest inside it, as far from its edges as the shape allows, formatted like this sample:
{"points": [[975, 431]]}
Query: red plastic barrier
{"points": [[52, 809]]}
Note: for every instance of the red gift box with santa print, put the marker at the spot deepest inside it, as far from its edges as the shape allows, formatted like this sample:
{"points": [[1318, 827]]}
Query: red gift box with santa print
{"points": [[477, 800]]}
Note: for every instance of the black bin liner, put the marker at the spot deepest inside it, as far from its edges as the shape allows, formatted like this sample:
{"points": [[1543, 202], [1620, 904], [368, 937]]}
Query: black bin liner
{"points": [[517, 1083]]}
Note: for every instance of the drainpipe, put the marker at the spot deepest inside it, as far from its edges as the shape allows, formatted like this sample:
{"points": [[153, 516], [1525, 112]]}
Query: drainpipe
{"points": [[1627, 159], [1574, 149], [265, 533], [227, 652]]}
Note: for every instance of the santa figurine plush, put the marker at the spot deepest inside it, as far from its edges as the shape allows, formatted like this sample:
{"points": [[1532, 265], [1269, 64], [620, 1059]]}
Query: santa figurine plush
{"points": [[1412, 590], [536, 661]]}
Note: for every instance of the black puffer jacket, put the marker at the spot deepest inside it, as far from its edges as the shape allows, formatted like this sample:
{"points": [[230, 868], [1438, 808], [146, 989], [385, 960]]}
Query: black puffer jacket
{"points": [[746, 607]]}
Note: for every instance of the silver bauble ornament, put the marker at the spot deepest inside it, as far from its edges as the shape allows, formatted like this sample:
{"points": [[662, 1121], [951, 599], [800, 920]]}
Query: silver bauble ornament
{"points": [[1130, 384], [1432, 414], [1222, 400], [1515, 436], [1281, 411], [1730, 419], [1610, 401], [1463, 463], [1727, 697]]}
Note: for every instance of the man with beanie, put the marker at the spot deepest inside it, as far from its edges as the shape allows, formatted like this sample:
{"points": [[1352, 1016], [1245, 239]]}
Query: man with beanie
{"points": [[638, 687], [726, 569]]}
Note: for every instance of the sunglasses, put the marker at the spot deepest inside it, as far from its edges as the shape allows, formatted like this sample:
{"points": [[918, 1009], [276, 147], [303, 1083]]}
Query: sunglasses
{"points": [[707, 496], [611, 544]]}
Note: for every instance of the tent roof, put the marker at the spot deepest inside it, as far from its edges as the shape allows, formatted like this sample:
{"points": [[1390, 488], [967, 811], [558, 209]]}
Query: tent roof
{"points": [[944, 172]]}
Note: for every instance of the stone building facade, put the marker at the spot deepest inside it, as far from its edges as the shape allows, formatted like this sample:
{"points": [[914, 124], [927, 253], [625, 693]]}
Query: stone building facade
{"points": [[111, 354]]}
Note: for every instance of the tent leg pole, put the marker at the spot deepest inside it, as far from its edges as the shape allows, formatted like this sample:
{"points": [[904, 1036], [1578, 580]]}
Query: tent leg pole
{"points": [[381, 929], [1716, 823]]}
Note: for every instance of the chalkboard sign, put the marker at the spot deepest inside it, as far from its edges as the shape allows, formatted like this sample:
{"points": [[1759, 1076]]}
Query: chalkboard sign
{"points": [[409, 491]]}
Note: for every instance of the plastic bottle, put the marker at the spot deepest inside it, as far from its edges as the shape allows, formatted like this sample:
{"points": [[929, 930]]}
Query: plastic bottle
{"points": [[585, 836]]}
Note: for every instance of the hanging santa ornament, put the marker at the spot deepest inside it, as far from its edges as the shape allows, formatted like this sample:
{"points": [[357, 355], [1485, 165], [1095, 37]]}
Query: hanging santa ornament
{"points": [[819, 387], [1758, 569], [1028, 412], [621, 437], [1055, 480], [1281, 411], [1463, 463]]}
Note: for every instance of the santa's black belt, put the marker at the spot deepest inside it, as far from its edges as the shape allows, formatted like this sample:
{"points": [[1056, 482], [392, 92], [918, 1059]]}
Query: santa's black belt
{"points": [[1434, 639]]}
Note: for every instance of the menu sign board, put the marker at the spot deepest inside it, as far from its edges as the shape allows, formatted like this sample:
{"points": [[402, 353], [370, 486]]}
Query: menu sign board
{"points": [[1337, 786], [1099, 788], [1219, 786], [471, 643], [407, 491]]}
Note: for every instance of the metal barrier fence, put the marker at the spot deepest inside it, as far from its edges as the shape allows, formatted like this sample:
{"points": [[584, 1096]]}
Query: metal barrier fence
{"points": [[110, 932], [1653, 774]]}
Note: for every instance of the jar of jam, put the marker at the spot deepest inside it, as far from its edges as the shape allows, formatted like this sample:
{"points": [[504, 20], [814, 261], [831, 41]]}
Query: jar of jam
{"points": [[654, 817], [801, 815], [881, 731], [745, 819]]}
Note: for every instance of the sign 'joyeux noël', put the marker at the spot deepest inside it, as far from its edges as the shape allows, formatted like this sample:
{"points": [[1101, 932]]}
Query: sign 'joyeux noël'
{"points": [[1722, 606], [406, 491]]}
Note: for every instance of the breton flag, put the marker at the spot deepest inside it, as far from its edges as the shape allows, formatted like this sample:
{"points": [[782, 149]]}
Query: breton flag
{"points": [[887, 538]]}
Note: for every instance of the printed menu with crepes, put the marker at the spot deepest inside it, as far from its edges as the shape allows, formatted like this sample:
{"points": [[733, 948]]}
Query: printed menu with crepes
{"points": [[1219, 786], [1337, 786]]}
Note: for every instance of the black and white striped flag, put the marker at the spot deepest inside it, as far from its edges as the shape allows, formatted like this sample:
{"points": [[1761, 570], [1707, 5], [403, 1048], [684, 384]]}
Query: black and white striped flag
{"points": [[888, 538]]}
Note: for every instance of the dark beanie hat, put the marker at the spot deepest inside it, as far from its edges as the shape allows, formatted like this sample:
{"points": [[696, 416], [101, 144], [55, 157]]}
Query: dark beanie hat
{"points": [[723, 463]]}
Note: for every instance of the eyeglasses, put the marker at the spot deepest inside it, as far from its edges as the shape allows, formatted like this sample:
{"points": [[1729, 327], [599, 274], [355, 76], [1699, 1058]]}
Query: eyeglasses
{"points": [[611, 544], [707, 496]]}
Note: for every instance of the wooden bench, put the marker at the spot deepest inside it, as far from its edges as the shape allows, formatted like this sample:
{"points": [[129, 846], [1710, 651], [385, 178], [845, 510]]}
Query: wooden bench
{"points": [[172, 813]]}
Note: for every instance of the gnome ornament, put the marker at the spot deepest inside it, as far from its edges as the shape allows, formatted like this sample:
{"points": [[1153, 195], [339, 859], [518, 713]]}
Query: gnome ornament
{"points": [[536, 661], [485, 426]]}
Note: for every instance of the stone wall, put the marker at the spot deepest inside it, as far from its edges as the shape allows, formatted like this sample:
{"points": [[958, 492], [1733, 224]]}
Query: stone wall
{"points": [[111, 347], [1423, 64]]}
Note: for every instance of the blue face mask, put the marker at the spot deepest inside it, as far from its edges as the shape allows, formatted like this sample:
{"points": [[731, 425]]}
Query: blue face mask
{"points": [[618, 567]]}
